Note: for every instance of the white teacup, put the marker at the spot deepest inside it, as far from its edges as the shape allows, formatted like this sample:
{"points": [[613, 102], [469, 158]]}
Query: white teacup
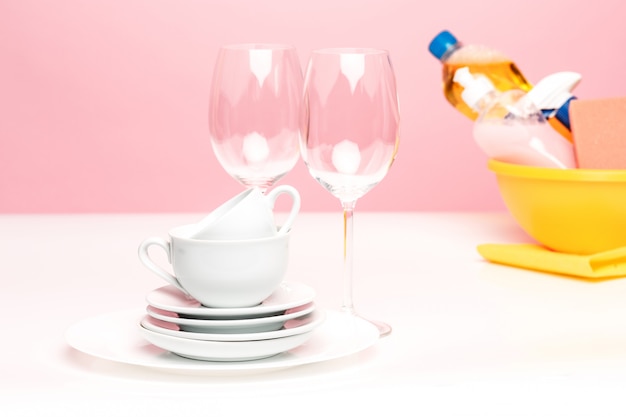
{"points": [[226, 273], [248, 215]]}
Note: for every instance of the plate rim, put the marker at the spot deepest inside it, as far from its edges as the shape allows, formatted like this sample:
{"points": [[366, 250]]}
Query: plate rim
{"points": [[208, 312], [257, 321], [317, 317]]}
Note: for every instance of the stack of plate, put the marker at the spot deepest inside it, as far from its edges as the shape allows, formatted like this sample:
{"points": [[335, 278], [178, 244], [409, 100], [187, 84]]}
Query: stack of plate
{"points": [[183, 326]]}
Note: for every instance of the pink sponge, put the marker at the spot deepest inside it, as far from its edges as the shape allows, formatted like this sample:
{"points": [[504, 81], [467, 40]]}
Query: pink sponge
{"points": [[599, 132]]}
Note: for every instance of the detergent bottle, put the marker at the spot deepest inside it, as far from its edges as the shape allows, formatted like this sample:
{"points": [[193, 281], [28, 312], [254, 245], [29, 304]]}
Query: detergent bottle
{"points": [[510, 128], [499, 68]]}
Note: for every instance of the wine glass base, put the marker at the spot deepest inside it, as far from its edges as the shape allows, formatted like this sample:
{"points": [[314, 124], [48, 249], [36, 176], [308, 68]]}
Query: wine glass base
{"points": [[384, 329]]}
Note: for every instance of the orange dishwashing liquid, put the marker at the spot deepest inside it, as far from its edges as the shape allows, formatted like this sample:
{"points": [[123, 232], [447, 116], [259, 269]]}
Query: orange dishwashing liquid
{"points": [[480, 59]]}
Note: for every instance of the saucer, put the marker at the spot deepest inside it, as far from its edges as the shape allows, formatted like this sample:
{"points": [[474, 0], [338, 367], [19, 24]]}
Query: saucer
{"points": [[293, 327], [253, 325], [224, 351], [286, 296]]}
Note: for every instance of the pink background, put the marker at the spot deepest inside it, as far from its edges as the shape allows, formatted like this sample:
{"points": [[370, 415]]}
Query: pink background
{"points": [[103, 103]]}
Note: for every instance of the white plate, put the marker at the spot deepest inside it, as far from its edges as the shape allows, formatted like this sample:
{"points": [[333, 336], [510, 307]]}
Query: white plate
{"points": [[115, 337], [254, 325], [292, 327], [220, 351], [288, 295]]}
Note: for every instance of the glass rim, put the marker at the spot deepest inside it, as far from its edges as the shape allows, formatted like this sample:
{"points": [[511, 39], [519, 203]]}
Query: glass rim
{"points": [[257, 46], [351, 50]]}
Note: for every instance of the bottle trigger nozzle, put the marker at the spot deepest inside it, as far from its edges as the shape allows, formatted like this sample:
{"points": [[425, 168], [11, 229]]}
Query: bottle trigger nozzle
{"points": [[552, 91]]}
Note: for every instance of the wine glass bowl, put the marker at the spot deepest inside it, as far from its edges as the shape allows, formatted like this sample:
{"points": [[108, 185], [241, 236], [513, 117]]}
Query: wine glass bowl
{"points": [[254, 110], [350, 131]]}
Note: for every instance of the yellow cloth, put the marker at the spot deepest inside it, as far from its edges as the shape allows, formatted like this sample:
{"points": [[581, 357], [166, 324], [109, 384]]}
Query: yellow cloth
{"points": [[609, 264]]}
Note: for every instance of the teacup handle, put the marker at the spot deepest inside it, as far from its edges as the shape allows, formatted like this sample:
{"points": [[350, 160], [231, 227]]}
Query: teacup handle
{"points": [[295, 207], [149, 263]]}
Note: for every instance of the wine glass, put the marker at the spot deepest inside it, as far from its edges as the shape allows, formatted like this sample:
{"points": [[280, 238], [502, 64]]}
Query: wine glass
{"points": [[254, 112], [349, 133]]}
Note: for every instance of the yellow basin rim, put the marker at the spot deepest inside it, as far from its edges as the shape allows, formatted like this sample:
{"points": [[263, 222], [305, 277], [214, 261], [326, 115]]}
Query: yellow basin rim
{"points": [[523, 171]]}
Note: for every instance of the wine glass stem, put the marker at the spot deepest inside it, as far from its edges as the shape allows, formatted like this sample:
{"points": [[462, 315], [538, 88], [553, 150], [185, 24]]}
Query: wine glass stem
{"points": [[348, 255]]}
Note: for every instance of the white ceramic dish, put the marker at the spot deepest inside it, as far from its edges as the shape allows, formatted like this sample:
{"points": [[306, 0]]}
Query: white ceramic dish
{"points": [[288, 295], [221, 351], [294, 327], [254, 325], [115, 337]]}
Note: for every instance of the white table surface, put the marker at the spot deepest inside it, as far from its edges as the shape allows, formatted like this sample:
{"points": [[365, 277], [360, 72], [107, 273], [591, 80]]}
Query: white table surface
{"points": [[469, 338]]}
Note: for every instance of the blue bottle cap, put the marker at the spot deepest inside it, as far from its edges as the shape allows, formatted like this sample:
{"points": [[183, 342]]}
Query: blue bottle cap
{"points": [[442, 43]]}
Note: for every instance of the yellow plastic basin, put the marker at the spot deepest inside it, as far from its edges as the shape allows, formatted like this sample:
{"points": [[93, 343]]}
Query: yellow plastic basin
{"points": [[580, 211]]}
